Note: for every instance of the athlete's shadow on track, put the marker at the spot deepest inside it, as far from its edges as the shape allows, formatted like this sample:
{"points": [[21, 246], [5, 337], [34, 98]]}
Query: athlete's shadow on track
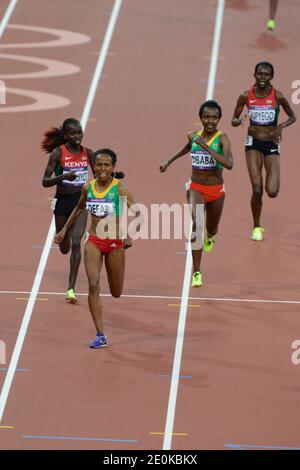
{"points": [[242, 5], [268, 42]]}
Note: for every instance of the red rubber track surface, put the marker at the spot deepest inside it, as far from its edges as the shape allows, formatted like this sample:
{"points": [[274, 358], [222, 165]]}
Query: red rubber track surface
{"points": [[243, 389]]}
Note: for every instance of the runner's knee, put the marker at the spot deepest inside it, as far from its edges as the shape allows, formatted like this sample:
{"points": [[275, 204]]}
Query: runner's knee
{"points": [[116, 293], [64, 249], [273, 192], [94, 286], [76, 243], [257, 191]]}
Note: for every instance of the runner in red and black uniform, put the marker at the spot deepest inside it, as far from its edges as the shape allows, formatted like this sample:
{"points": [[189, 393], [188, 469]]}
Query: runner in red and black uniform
{"points": [[264, 136], [69, 162]]}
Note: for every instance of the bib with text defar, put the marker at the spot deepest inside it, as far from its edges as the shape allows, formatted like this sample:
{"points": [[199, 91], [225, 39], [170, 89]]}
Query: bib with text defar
{"points": [[105, 203]]}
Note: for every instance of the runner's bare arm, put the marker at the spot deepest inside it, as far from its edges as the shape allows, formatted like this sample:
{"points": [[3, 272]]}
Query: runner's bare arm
{"points": [[131, 204], [91, 157], [74, 214], [241, 102], [183, 151], [287, 109], [48, 181]]}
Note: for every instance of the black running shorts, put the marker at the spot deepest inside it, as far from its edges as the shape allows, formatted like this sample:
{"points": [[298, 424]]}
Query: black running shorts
{"points": [[265, 147], [65, 203]]}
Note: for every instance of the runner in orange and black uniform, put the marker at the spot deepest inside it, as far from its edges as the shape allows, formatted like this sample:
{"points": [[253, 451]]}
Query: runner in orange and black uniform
{"points": [[210, 152], [69, 162], [264, 136]]}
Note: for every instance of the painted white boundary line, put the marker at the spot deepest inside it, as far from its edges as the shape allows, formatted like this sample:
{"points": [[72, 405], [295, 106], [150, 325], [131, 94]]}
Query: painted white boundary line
{"points": [[43, 260], [164, 297], [188, 265], [7, 15]]}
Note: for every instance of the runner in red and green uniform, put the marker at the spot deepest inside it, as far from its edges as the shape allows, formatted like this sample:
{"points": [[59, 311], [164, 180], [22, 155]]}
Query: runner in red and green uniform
{"points": [[263, 139], [210, 152], [69, 162], [101, 197]]}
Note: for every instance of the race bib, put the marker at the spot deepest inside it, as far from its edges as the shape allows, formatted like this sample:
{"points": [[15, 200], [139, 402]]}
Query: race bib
{"points": [[262, 116], [202, 161], [81, 177], [53, 204], [100, 208], [249, 141]]}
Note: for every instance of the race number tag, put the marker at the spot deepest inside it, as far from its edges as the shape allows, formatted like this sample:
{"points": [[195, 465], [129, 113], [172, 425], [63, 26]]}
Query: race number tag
{"points": [[100, 208], [249, 141], [202, 160], [81, 177]]}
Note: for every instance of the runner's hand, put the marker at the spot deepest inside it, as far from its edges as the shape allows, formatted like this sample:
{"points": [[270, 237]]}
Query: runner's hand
{"points": [[163, 167], [238, 121], [60, 236], [200, 141], [277, 134], [70, 176], [127, 243]]}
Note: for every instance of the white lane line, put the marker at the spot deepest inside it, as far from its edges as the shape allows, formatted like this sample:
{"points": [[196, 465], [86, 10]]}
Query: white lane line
{"points": [[7, 15], [188, 265], [164, 297], [43, 260], [99, 67]]}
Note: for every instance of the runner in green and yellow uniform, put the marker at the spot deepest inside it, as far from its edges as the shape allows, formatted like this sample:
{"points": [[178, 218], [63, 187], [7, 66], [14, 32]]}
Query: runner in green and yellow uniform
{"points": [[210, 152], [101, 197]]}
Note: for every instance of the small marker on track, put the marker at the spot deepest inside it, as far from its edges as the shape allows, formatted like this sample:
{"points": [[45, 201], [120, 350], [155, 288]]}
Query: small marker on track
{"points": [[26, 298], [178, 305], [173, 434]]}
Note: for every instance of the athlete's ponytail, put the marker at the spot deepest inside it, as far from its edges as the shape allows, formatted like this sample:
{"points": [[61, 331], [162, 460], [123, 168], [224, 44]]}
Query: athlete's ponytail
{"points": [[118, 174], [55, 137], [115, 174]]}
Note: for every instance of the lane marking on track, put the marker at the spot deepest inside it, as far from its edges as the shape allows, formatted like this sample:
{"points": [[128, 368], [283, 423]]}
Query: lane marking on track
{"points": [[173, 434], [7, 427], [207, 57], [249, 446], [62, 38], [188, 264], [168, 376], [221, 80], [27, 298], [17, 370], [7, 15], [178, 305], [165, 297], [44, 256], [65, 438], [53, 247]]}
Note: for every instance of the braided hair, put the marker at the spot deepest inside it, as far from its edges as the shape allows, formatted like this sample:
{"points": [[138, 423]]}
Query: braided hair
{"points": [[55, 137]]}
